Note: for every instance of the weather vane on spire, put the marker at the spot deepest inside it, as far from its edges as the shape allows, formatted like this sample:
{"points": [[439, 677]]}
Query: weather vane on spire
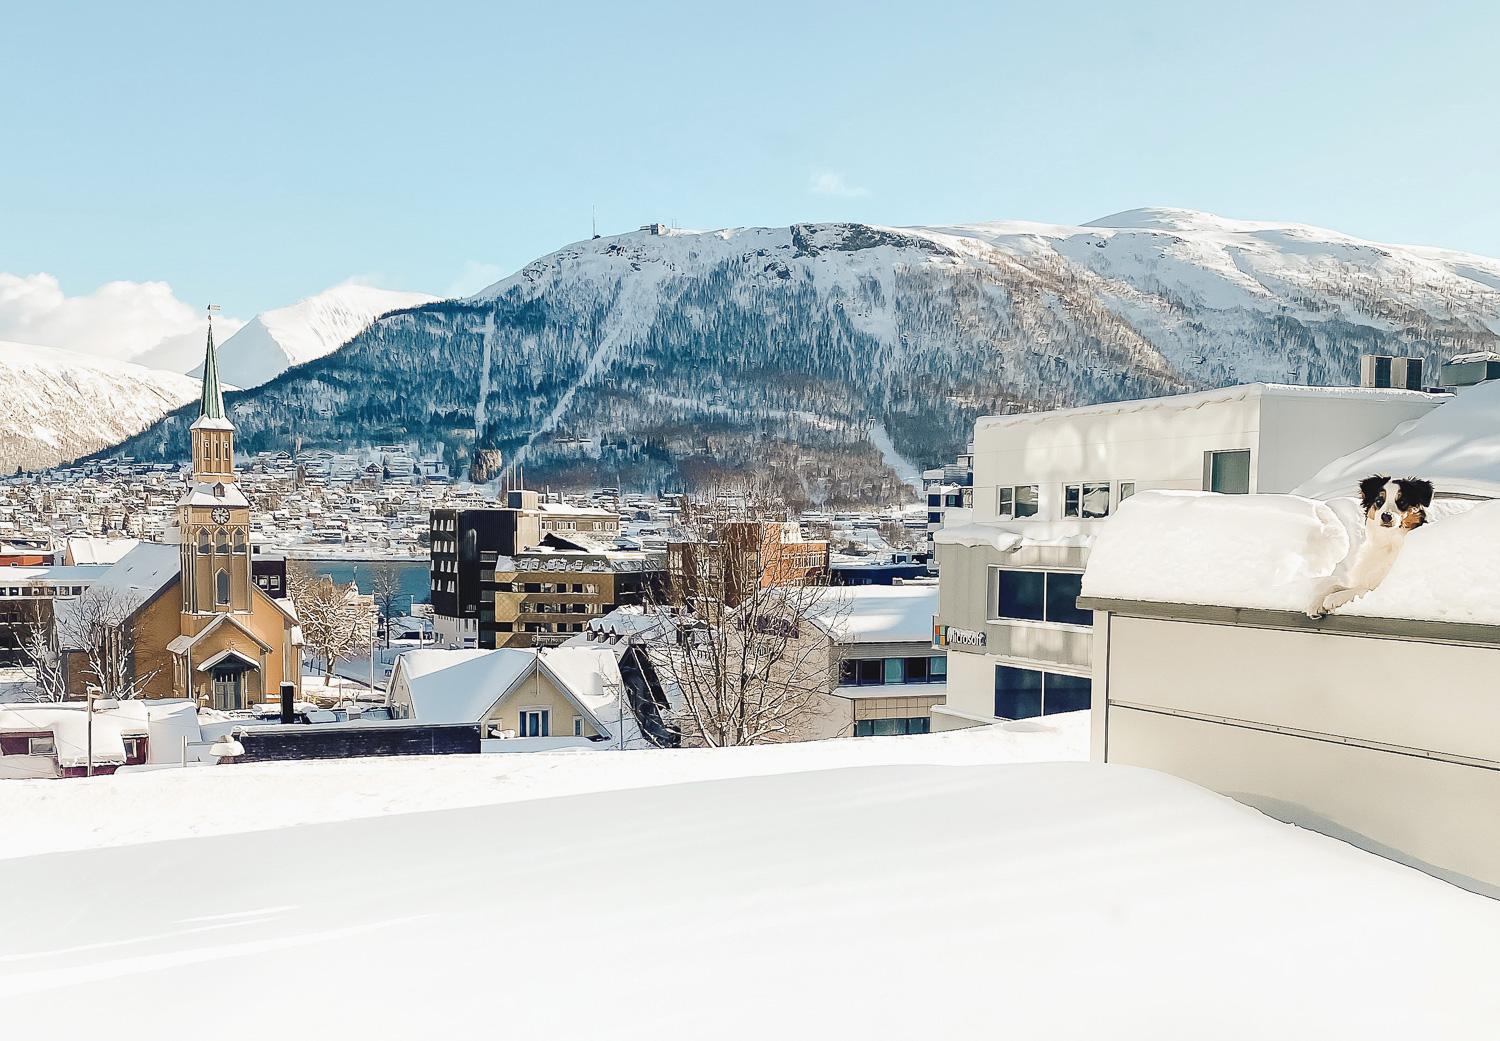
{"points": [[211, 309]]}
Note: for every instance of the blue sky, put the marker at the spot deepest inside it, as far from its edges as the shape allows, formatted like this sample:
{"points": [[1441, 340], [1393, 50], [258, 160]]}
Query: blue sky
{"points": [[255, 153]]}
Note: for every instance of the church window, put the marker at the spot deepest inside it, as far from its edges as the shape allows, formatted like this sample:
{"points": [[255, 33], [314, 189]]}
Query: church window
{"points": [[221, 587], [239, 542], [203, 542], [223, 542]]}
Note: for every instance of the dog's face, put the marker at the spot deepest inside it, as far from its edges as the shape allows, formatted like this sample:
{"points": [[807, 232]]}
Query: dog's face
{"points": [[1395, 503]]}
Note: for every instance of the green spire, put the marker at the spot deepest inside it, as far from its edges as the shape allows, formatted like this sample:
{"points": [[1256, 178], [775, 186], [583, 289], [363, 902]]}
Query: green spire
{"points": [[212, 404]]}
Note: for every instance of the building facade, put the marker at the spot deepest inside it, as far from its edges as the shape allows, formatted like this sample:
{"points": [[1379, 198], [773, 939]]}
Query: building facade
{"points": [[1018, 644]]}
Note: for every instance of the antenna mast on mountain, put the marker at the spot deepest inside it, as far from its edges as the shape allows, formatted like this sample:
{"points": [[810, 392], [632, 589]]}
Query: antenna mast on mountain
{"points": [[594, 220]]}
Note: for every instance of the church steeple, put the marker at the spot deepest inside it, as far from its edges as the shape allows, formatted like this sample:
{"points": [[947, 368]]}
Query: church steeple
{"points": [[212, 432], [212, 404]]}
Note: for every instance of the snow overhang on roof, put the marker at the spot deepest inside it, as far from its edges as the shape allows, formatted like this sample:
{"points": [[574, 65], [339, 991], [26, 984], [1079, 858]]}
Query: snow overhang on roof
{"points": [[229, 655]]}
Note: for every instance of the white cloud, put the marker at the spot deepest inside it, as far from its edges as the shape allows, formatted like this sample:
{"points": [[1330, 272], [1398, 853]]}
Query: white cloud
{"points": [[831, 182], [128, 321]]}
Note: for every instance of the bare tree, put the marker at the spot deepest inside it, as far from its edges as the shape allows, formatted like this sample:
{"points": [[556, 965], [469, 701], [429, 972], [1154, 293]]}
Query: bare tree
{"points": [[41, 659], [97, 626], [748, 665], [336, 621], [385, 590]]}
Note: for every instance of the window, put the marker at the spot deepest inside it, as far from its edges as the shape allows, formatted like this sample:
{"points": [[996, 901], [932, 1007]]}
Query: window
{"points": [[916, 670], [1127, 489], [239, 542], [1027, 693], [868, 673], [1016, 501], [891, 727], [937, 668], [895, 670], [577, 726], [203, 543], [221, 544], [41, 746], [1063, 590], [221, 587], [1022, 595], [1040, 596], [1086, 500], [1227, 472], [535, 722]]}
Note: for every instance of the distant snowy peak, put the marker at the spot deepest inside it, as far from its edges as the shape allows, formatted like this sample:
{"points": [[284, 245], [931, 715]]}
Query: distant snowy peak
{"points": [[276, 340], [61, 405]]}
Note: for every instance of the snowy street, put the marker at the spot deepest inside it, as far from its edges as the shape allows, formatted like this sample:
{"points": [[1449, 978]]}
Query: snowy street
{"points": [[1066, 900]]}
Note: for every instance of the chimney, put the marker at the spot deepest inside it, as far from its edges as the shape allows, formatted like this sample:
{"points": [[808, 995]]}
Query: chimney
{"points": [[288, 699]]}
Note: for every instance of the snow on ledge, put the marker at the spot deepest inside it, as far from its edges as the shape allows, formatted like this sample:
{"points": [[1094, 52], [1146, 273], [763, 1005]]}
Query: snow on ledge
{"points": [[1004, 536], [1274, 552]]}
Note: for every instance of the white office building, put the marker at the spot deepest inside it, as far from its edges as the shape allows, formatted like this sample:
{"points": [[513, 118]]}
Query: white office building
{"points": [[1018, 644]]}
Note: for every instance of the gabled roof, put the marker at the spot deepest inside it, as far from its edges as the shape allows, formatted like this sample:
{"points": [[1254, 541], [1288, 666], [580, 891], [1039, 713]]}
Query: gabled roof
{"points": [[183, 644]]}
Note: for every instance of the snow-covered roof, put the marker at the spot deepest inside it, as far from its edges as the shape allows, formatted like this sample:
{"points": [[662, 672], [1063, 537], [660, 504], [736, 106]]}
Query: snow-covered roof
{"points": [[1275, 552], [165, 722], [1455, 446], [877, 614], [92, 549], [139, 575], [592, 674], [460, 686], [205, 495], [1202, 398]]}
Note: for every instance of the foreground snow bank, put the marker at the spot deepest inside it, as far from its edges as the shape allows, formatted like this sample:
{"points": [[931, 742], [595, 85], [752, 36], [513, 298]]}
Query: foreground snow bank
{"points": [[1273, 552], [1047, 901], [44, 816]]}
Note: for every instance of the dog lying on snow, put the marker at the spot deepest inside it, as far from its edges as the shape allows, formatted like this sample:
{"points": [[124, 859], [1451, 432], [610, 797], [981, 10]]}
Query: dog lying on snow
{"points": [[1393, 509]]}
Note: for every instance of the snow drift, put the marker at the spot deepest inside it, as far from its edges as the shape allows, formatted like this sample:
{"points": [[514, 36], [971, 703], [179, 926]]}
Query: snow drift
{"points": [[1273, 552]]}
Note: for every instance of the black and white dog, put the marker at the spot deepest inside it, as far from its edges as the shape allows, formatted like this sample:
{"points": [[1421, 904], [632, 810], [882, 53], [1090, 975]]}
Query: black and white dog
{"points": [[1393, 509]]}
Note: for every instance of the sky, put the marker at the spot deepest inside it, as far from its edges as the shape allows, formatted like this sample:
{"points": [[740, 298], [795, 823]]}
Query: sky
{"points": [[157, 156]]}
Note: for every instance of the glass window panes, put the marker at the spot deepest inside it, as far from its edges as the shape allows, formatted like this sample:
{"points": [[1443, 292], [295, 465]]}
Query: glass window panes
{"points": [[1066, 693], [1021, 595], [916, 670], [868, 672], [892, 727], [1229, 472], [1018, 693], [1005, 502], [937, 668], [1063, 589], [895, 670], [1096, 499], [1027, 498], [1127, 489], [1070, 500]]}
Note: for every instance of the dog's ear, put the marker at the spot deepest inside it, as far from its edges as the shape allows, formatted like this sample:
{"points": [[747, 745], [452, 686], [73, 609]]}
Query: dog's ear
{"points": [[1369, 489], [1416, 491]]}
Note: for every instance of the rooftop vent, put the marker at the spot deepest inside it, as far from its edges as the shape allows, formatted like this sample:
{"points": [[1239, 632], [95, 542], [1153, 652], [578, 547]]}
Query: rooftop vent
{"points": [[1383, 372]]}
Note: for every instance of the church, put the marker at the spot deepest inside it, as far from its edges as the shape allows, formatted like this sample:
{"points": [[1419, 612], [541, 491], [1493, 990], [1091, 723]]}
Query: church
{"points": [[195, 624]]}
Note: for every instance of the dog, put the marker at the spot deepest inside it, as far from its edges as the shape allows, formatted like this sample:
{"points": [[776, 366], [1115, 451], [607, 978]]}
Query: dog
{"points": [[1393, 510]]}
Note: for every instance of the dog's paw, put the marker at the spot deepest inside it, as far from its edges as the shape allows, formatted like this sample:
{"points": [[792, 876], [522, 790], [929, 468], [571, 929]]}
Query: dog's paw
{"points": [[1338, 598]]}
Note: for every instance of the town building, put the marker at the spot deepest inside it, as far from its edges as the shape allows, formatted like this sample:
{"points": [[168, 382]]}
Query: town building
{"points": [[64, 739], [468, 543], [770, 553], [548, 594], [523, 699], [948, 489], [1045, 483]]}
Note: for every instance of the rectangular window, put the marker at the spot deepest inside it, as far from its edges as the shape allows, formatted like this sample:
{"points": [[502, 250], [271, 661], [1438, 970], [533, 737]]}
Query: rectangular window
{"points": [[577, 726], [1018, 693], [535, 722], [892, 727], [1013, 501], [895, 670], [916, 670], [1022, 595], [1040, 596], [1027, 693], [1227, 472], [1086, 500], [867, 672], [1127, 489], [1063, 590], [41, 746], [846, 672], [937, 668]]}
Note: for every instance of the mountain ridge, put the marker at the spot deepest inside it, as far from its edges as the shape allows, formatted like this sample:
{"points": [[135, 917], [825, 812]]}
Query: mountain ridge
{"points": [[694, 358]]}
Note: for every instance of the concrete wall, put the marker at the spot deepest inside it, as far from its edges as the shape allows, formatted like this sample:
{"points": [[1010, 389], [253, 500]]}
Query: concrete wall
{"points": [[1301, 435], [1390, 740]]}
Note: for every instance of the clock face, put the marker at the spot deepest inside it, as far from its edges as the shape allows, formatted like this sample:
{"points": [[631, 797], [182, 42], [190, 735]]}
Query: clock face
{"points": [[220, 515]]}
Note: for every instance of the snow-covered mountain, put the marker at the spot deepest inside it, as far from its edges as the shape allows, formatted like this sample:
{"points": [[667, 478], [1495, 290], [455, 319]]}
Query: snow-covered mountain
{"points": [[60, 405], [274, 341], [828, 357]]}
